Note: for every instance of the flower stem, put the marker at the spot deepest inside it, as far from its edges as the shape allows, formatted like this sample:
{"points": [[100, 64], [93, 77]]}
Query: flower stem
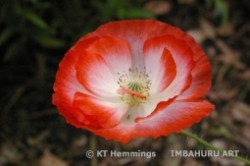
{"points": [[210, 146], [93, 145]]}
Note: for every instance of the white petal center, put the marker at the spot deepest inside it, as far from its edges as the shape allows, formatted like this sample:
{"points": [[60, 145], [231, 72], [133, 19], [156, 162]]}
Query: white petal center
{"points": [[134, 91]]}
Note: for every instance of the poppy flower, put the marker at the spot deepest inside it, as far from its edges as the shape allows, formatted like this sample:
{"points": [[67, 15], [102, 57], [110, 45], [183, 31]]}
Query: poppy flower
{"points": [[133, 78]]}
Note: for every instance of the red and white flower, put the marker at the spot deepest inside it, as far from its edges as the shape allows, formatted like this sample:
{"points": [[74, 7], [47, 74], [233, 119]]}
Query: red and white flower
{"points": [[135, 78]]}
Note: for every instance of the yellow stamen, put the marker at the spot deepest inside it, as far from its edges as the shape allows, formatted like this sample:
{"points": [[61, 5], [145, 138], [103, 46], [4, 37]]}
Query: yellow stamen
{"points": [[134, 87]]}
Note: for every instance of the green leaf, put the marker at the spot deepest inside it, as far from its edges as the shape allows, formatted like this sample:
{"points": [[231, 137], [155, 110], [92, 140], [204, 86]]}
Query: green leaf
{"points": [[34, 18], [13, 50], [222, 7], [134, 13], [5, 35], [50, 42]]}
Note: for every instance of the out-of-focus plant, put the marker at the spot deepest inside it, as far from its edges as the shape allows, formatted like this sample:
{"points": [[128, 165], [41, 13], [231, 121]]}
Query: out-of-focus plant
{"points": [[23, 25], [120, 9], [29, 24], [221, 10]]}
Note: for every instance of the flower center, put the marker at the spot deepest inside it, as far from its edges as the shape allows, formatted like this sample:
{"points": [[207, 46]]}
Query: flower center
{"points": [[134, 86]]}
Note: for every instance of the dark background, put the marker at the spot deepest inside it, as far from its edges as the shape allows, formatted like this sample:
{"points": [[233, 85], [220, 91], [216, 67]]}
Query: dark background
{"points": [[34, 36]]}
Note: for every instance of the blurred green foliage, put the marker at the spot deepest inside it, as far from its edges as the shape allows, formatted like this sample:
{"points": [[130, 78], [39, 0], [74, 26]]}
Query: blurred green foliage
{"points": [[35, 35], [221, 9], [56, 23]]}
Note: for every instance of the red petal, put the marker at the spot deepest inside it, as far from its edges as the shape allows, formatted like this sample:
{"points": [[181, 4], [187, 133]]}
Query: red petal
{"points": [[94, 74], [201, 78], [100, 64], [183, 58], [173, 118], [176, 116], [136, 32], [73, 115], [115, 52], [164, 120], [105, 113], [66, 83], [161, 69]]}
